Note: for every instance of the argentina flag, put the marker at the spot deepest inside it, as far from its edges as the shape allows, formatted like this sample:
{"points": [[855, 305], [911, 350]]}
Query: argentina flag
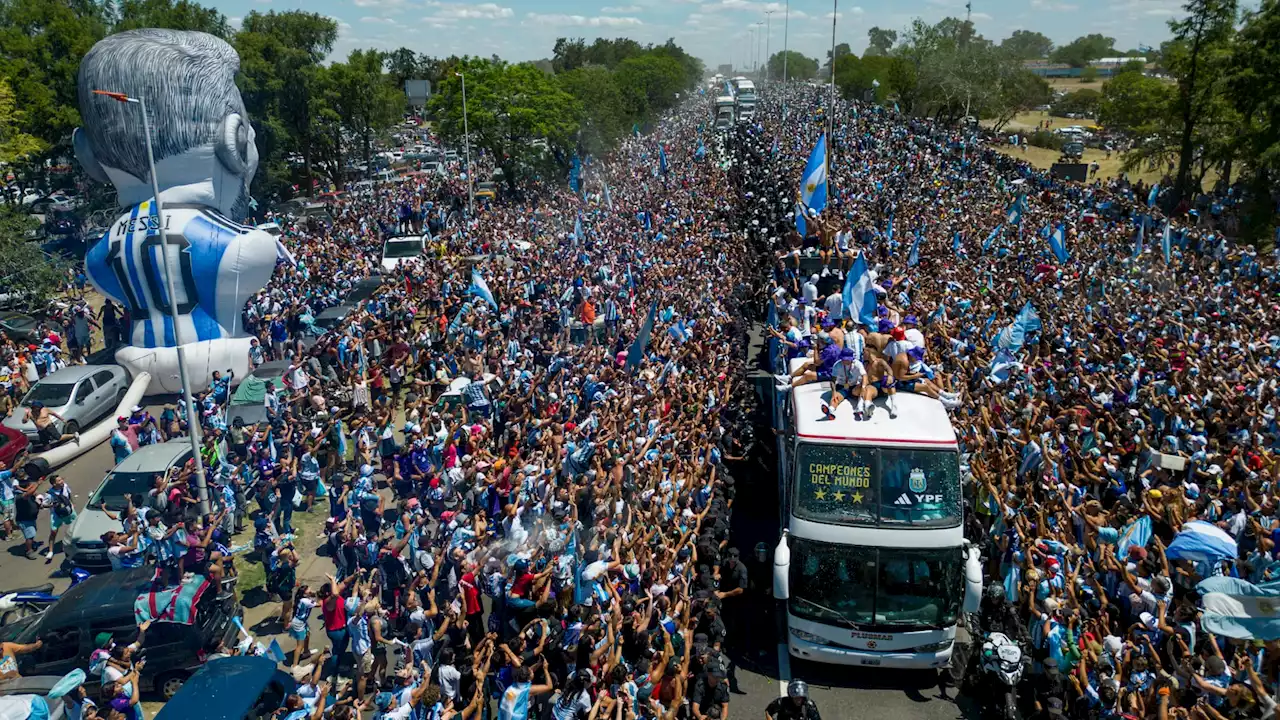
{"points": [[986, 244], [858, 295], [1166, 243], [480, 289], [1058, 244], [813, 184], [913, 257], [1239, 609]]}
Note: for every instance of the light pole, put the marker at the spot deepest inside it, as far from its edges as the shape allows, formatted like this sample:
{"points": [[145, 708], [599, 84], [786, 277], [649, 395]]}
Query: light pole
{"points": [[751, 50], [466, 141], [786, 31], [193, 420], [768, 36], [759, 37]]}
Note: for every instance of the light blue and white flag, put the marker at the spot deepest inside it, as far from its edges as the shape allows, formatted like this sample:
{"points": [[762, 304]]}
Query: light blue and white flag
{"points": [[575, 174], [986, 244], [913, 257], [1239, 609], [515, 702], [813, 184], [1013, 215], [1013, 337], [662, 159], [636, 353], [1135, 534], [955, 243], [480, 289], [608, 199], [1200, 541], [577, 229], [1058, 243], [1002, 365], [1138, 236], [858, 294], [1155, 193], [1166, 243]]}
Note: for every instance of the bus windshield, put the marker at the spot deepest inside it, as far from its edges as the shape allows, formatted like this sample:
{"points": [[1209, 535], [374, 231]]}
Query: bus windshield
{"points": [[868, 588], [860, 485]]}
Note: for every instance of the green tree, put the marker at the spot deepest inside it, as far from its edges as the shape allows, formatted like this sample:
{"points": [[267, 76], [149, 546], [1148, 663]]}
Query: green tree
{"points": [[15, 145], [841, 49], [880, 41], [1027, 45], [403, 64], [1202, 50], [280, 55], [509, 106], [1253, 82], [1137, 105], [569, 54], [41, 45], [367, 103], [1088, 74], [606, 117], [1081, 102], [1083, 50], [1022, 90], [1135, 65], [649, 83], [29, 273], [797, 65], [171, 14]]}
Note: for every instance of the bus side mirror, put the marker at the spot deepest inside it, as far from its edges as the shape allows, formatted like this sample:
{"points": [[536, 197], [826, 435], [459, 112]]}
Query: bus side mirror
{"points": [[781, 569], [972, 580]]}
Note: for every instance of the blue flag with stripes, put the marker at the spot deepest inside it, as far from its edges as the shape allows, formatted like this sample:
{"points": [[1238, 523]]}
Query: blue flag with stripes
{"points": [[913, 257], [955, 242], [1166, 243], [662, 159], [986, 244], [1058, 244], [1155, 193], [636, 353], [575, 174]]}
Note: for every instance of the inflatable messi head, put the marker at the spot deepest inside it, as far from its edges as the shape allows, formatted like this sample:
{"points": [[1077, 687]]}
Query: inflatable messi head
{"points": [[205, 158]]}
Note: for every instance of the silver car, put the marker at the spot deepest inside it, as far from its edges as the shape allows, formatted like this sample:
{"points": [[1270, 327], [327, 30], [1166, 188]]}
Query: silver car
{"points": [[135, 475], [81, 394]]}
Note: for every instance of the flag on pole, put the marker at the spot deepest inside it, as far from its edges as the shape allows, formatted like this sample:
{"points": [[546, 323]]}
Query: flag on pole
{"points": [[480, 289], [636, 352], [608, 199], [662, 159], [1166, 243], [1058, 243], [577, 229], [913, 257], [955, 242], [1013, 337], [1151, 196], [813, 184], [858, 295], [1013, 215]]}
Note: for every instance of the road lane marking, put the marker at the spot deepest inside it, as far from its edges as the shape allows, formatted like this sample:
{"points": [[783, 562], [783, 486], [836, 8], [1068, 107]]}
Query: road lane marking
{"points": [[784, 669]]}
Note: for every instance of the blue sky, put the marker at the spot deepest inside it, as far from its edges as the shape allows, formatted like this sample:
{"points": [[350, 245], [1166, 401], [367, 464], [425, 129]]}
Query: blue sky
{"points": [[718, 31]]}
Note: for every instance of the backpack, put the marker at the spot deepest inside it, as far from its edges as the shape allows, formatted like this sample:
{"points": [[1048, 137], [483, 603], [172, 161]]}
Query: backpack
{"points": [[61, 504]]}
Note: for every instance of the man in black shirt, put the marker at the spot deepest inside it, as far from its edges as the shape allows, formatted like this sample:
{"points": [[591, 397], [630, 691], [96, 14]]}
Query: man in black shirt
{"points": [[795, 706], [27, 513], [710, 696]]}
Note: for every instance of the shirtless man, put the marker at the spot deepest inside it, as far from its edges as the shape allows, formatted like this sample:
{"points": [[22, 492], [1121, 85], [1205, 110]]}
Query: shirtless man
{"points": [[898, 351], [42, 417]]}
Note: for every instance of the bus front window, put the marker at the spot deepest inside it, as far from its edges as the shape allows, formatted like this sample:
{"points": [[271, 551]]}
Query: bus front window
{"points": [[866, 588]]}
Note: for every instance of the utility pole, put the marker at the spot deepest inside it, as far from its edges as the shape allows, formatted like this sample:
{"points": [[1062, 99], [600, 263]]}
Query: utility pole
{"points": [[759, 37], [786, 27], [768, 36]]}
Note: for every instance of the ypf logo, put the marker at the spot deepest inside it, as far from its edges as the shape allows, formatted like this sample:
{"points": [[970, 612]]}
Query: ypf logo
{"points": [[916, 482]]}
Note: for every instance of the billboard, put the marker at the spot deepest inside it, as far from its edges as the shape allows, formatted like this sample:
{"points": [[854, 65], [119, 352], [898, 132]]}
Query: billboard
{"points": [[418, 91]]}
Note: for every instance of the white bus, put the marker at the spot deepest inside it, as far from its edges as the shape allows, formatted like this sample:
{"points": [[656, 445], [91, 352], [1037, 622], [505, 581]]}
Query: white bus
{"points": [[872, 563]]}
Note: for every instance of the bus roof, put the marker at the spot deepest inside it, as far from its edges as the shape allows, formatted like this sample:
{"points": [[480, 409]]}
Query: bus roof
{"points": [[921, 421]]}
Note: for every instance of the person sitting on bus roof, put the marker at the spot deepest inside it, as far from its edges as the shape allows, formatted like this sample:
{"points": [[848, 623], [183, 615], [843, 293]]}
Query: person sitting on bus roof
{"points": [[826, 354], [899, 350], [849, 380]]}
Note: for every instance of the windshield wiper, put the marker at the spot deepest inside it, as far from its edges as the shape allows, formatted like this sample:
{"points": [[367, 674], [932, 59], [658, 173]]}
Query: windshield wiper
{"points": [[839, 615]]}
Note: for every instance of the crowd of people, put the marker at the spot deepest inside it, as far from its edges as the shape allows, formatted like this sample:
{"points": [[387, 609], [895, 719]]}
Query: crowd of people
{"points": [[521, 444], [1114, 394]]}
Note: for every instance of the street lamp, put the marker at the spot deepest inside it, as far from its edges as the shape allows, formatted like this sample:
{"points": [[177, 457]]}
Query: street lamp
{"points": [[768, 36], [466, 139], [759, 37], [786, 32], [193, 420]]}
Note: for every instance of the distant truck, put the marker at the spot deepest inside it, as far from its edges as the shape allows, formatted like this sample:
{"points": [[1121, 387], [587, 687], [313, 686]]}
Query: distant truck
{"points": [[746, 99], [724, 112]]}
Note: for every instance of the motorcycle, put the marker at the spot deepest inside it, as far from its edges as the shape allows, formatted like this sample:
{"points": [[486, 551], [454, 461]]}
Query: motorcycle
{"points": [[1003, 663], [22, 603]]}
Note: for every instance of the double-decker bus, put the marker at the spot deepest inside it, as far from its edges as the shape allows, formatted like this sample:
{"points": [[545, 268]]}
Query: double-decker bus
{"points": [[872, 563]]}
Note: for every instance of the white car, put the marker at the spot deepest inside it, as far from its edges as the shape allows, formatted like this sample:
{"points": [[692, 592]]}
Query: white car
{"points": [[397, 250]]}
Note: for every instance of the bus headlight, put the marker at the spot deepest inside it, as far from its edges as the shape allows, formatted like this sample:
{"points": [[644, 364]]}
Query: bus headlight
{"points": [[808, 637], [934, 647]]}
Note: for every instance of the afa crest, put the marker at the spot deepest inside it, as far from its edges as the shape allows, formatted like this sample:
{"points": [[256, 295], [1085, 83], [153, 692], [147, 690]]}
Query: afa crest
{"points": [[917, 483]]}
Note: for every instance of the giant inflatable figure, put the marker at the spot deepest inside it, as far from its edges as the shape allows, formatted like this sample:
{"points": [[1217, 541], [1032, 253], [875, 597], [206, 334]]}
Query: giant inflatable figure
{"points": [[205, 158]]}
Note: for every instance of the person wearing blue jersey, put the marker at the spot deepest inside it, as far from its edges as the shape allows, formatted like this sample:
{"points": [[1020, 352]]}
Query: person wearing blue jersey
{"points": [[516, 699]]}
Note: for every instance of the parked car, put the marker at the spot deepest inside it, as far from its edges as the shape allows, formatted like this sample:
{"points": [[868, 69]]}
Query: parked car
{"points": [[20, 327], [246, 405], [135, 475], [81, 394], [40, 685], [12, 443], [451, 399], [105, 603], [232, 687], [397, 250]]}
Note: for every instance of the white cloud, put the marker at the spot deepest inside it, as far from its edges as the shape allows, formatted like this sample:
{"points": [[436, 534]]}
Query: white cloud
{"points": [[384, 4], [1054, 6], [342, 24], [620, 10], [1161, 12], [235, 21], [447, 12], [558, 20], [980, 16], [372, 19]]}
